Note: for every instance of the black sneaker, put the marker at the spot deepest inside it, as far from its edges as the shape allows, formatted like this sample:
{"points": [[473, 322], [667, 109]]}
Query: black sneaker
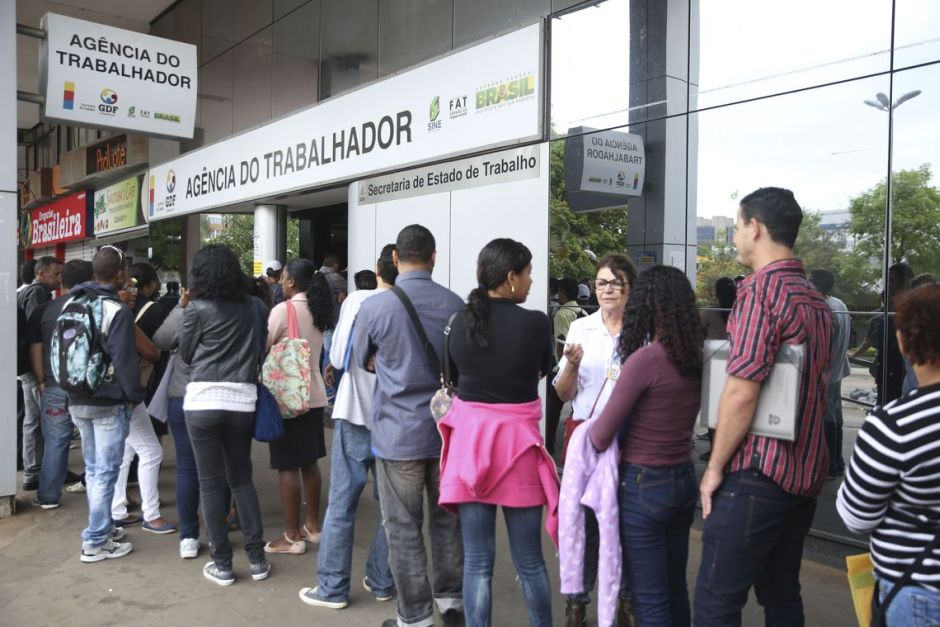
{"points": [[44, 504], [31, 486], [452, 617], [217, 575]]}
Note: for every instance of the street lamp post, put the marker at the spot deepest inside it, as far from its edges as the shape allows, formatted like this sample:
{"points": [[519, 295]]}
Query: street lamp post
{"points": [[882, 103]]}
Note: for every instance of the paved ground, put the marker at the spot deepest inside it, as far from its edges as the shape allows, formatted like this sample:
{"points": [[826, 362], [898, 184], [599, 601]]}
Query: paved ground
{"points": [[42, 581]]}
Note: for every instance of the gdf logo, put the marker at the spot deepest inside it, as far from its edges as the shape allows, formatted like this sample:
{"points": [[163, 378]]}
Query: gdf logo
{"points": [[170, 187], [109, 100]]}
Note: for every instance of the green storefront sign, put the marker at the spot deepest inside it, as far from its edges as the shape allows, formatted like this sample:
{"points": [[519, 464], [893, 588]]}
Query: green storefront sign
{"points": [[117, 206]]}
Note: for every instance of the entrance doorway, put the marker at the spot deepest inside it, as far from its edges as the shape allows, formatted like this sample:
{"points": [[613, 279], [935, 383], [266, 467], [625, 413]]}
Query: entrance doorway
{"points": [[324, 230]]}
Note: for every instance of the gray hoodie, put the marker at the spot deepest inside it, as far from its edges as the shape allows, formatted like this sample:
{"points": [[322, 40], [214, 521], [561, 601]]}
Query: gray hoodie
{"points": [[122, 383]]}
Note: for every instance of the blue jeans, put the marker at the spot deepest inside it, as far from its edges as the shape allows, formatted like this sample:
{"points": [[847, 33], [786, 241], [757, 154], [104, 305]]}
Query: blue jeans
{"points": [[32, 428], [103, 436], [57, 434], [187, 478], [478, 524], [657, 506], [753, 537], [913, 606], [349, 471]]}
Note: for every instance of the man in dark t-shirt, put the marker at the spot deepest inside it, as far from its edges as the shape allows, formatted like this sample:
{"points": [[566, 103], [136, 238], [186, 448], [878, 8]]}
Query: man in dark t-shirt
{"points": [[55, 420]]}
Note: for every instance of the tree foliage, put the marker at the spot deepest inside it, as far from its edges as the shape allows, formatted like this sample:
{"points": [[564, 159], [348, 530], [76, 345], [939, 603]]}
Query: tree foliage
{"points": [[238, 234]]}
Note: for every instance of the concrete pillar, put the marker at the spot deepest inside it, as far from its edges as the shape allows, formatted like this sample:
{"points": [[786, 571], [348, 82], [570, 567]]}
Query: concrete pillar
{"points": [[8, 270], [661, 222], [270, 235]]}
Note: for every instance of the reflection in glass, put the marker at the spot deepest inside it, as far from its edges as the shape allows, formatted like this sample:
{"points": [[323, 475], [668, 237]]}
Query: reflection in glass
{"points": [[349, 46], [916, 32], [751, 49], [253, 81], [182, 23], [215, 97], [296, 47], [412, 31]]}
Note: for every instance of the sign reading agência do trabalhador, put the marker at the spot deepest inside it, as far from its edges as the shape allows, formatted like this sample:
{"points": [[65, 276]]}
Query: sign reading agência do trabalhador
{"points": [[106, 77]]}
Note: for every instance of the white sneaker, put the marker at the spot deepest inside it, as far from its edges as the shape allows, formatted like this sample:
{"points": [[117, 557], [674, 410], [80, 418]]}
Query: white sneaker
{"points": [[108, 550], [189, 548], [76, 488]]}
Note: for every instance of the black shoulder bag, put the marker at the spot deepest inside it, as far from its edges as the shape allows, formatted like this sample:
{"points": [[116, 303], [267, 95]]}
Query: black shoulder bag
{"points": [[879, 610], [442, 399]]}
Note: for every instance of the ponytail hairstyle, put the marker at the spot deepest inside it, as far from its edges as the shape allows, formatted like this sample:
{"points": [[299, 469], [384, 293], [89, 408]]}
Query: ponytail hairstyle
{"points": [[497, 259], [319, 296], [662, 308]]}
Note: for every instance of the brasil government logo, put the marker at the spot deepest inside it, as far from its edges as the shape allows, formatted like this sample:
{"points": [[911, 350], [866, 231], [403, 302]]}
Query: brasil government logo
{"points": [[170, 181]]}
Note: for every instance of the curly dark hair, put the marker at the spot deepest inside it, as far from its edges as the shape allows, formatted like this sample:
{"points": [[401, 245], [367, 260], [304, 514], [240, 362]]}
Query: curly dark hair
{"points": [[319, 295], [495, 262], [217, 275], [662, 308], [916, 319]]}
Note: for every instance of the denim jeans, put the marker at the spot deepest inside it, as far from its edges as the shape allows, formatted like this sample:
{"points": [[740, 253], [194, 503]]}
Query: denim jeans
{"points": [[222, 445], [478, 525], [352, 459], [832, 427], [753, 537], [913, 606], [657, 505], [32, 428], [402, 486], [187, 478], [103, 430], [592, 547], [57, 435]]}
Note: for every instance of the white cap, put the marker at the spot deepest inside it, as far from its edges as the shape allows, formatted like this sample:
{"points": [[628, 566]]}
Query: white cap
{"points": [[273, 266], [584, 292]]}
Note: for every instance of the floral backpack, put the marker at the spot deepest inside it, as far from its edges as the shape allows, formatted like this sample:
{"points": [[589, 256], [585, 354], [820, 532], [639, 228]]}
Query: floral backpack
{"points": [[286, 370]]}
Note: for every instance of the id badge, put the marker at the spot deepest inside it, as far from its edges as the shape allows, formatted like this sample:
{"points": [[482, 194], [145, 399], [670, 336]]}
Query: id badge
{"points": [[613, 368]]}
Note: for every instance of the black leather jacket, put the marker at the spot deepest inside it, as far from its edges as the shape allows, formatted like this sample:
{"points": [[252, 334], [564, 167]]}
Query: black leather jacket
{"points": [[219, 338]]}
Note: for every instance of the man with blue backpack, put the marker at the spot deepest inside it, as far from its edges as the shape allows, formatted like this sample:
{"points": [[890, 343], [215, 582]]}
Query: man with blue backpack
{"points": [[94, 359]]}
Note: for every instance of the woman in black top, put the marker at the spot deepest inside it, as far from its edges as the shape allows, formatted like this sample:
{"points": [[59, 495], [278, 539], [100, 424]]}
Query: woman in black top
{"points": [[493, 451]]}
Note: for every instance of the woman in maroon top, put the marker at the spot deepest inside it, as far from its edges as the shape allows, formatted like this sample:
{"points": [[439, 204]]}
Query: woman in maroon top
{"points": [[656, 399]]}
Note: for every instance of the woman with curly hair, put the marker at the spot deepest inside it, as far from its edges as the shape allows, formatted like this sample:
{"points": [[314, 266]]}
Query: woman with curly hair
{"points": [[294, 455], [656, 399], [221, 340], [892, 485]]}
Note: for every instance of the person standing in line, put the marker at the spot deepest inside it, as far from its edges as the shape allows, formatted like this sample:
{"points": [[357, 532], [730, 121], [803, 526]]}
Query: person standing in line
{"points": [[142, 439], [222, 338], [26, 276], [493, 453], [715, 322], [759, 493], [48, 278], [338, 287], [103, 417], [272, 276], [294, 455], [166, 338], [587, 373], [564, 315], [838, 370], [656, 400], [351, 460], [892, 486], [404, 435], [55, 419]]}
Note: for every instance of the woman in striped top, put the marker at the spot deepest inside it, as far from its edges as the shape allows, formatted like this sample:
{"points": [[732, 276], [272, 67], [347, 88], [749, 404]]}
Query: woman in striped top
{"points": [[892, 486]]}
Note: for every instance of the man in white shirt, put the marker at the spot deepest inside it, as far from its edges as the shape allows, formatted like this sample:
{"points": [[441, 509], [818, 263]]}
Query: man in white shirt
{"points": [[352, 458]]}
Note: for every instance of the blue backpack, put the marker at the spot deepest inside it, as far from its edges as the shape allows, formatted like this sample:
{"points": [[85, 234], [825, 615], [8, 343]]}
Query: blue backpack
{"points": [[79, 362]]}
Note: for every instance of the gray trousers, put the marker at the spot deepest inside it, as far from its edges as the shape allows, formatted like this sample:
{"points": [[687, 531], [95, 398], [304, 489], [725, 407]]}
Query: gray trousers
{"points": [[32, 428], [402, 486]]}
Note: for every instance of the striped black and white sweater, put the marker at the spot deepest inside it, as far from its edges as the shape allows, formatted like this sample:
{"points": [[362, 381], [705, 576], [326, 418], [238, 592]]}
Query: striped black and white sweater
{"points": [[892, 485]]}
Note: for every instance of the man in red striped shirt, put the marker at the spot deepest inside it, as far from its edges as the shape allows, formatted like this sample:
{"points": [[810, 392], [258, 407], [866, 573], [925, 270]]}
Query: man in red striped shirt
{"points": [[759, 493]]}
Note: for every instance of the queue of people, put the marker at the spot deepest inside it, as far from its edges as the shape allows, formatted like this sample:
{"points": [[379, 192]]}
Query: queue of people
{"points": [[439, 399]]}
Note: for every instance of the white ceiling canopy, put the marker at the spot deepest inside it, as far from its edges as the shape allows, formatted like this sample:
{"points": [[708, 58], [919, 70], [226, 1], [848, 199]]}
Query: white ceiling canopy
{"points": [[135, 15]]}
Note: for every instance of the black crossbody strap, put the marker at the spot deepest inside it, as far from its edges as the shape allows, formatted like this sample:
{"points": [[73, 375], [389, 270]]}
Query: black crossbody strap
{"points": [[450, 324], [419, 329], [909, 573]]}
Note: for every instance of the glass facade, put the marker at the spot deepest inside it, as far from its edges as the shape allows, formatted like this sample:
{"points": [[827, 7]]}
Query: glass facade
{"points": [[726, 96]]}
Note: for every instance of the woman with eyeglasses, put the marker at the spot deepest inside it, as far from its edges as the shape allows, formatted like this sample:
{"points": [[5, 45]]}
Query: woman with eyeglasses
{"points": [[586, 376], [654, 404]]}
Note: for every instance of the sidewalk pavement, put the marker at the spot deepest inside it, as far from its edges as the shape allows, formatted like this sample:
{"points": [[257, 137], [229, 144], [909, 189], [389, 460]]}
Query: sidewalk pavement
{"points": [[42, 581]]}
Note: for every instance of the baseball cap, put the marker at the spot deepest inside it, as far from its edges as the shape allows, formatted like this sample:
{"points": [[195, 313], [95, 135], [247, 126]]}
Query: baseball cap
{"points": [[273, 267], [584, 292]]}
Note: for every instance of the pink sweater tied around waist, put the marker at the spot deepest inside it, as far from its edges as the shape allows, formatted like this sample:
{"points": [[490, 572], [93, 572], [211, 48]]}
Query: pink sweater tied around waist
{"points": [[494, 453]]}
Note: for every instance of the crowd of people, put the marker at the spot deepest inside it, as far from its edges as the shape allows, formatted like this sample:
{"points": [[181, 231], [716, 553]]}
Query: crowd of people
{"points": [[438, 397]]}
